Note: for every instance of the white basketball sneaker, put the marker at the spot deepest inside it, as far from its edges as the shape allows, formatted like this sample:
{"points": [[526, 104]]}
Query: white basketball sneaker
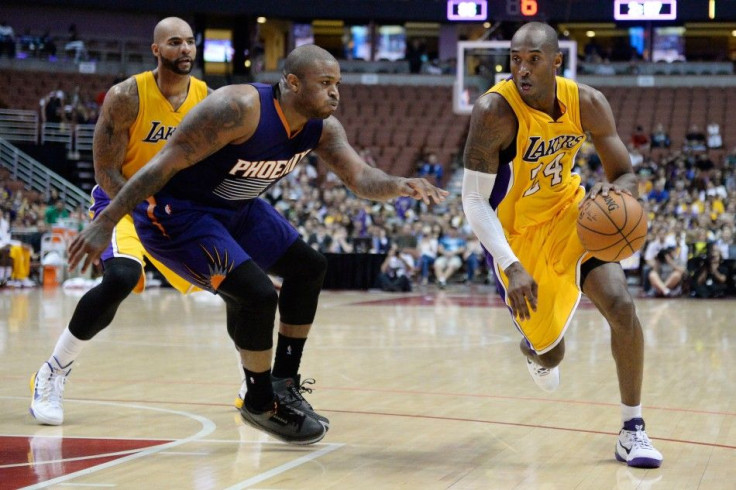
{"points": [[546, 378], [47, 387], [634, 447]]}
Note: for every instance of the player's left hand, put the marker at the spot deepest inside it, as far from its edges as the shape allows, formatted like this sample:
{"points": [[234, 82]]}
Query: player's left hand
{"points": [[421, 189], [87, 247], [604, 188]]}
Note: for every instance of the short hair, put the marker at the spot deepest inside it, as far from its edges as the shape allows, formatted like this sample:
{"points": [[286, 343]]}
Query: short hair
{"points": [[165, 26], [302, 57], [551, 40]]}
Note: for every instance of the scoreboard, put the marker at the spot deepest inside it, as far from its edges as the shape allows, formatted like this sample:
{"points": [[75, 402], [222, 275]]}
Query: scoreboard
{"points": [[667, 11], [645, 9]]}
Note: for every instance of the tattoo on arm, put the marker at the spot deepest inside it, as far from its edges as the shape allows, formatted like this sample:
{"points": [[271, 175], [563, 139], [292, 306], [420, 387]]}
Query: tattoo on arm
{"points": [[211, 125], [146, 182], [111, 138], [492, 127]]}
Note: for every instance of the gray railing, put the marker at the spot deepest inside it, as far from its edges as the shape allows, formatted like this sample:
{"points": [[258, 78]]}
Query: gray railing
{"points": [[83, 134], [16, 125], [57, 133], [39, 178]]}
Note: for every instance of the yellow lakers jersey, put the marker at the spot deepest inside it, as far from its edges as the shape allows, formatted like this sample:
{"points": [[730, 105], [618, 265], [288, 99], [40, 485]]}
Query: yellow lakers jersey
{"points": [[540, 179], [156, 120]]}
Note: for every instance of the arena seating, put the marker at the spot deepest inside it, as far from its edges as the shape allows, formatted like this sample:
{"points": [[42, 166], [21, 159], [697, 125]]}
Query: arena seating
{"points": [[24, 89], [677, 108], [399, 123]]}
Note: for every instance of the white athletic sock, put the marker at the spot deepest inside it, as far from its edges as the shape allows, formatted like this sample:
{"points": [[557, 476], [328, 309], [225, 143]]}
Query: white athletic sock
{"points": [[67, 349], [628, 413]]}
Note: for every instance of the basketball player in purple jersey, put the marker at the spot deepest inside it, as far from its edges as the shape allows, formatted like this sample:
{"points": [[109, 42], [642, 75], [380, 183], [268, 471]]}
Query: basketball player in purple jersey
{"points": [[204, 220]]}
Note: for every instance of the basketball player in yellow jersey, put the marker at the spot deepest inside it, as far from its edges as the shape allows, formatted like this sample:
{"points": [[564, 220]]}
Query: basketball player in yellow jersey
{"points": [[137, 117], [521, 199]]}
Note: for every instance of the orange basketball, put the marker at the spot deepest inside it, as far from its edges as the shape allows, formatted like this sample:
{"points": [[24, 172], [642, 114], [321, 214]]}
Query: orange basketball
{"points": [[612, 228]]}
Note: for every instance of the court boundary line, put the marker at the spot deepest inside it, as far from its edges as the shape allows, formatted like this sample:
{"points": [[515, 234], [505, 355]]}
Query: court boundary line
{"points": [[208, 426], [330, 447]]}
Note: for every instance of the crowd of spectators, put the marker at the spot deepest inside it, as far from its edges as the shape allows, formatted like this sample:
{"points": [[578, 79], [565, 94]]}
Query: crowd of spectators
{"points": [[25, 216], [690, 201]]}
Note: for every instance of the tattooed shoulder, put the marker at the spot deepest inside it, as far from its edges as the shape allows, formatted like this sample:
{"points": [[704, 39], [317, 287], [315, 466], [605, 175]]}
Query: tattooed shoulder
{"points": [[121, 103], [493, 127]]}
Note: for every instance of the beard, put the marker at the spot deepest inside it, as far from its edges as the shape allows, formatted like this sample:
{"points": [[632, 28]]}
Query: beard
{"points": [[173, 65]]}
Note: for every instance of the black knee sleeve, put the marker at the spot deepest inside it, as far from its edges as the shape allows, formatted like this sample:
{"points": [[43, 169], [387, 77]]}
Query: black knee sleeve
{"points": [[251, 301], [98, 306], [303, 270]]}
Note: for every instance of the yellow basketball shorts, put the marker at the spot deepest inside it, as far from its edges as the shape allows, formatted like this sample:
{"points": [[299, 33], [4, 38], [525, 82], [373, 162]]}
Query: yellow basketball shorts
{"points": [[551, 253], [125, 243]]}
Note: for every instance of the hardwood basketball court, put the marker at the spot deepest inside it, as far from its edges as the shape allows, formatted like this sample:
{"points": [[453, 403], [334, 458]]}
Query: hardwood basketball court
{"points": [[424, 390]]}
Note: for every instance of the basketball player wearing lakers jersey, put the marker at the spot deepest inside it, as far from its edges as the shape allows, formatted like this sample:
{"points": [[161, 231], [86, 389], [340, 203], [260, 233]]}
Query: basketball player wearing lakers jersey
{"points": [[521, 199], [137, 118]]}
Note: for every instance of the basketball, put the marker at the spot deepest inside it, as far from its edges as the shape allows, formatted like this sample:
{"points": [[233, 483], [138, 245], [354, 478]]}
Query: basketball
{"points": [[613, 227]]}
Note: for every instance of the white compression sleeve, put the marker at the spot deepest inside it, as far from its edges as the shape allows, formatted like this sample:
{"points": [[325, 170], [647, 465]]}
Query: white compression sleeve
{"points": [[477, 187]]}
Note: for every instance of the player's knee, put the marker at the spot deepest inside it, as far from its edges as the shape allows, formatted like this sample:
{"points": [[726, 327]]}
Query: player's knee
{"points": [[121, 275], [303, 263], [618, 308]]}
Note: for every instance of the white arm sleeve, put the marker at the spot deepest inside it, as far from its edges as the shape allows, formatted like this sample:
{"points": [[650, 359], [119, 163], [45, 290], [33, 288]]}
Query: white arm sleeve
{"points": [[477, 187]]}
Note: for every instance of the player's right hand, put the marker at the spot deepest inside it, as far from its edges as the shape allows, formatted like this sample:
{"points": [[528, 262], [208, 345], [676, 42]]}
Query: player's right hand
{"points": [[521, 291], [87, 247]]}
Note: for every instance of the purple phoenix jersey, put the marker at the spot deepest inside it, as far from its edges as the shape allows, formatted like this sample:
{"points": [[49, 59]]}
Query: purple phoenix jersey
{"points": [[207, 220], [238, 173]]}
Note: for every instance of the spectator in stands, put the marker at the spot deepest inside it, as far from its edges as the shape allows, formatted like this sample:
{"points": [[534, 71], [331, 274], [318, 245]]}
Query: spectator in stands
{"points": [[56, 212], [474, 257], [725, 243], [380, 242], [52, 196], [320, 240], [47, 46], [639, 138], [704, 163], [52, 107], [340, 243], [637, 159], [427, 250], [660, 138], [396, 269], [75, 44], [450, 251], [431, 169], [659, 193], [664, 272], [6, 262], [7, 40], [695, 139], [714, 136], [15, 257], [415, 54], [712, 276], [406, 239]]}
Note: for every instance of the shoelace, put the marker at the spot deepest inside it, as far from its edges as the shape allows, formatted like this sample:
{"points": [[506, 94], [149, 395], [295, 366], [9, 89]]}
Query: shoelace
{"points": [[53, 389], [296, 391], [642, 440]]}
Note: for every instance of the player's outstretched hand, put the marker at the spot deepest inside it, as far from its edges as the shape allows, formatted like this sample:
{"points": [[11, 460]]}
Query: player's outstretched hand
{"points": [[421, 189], [87, 247]]}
